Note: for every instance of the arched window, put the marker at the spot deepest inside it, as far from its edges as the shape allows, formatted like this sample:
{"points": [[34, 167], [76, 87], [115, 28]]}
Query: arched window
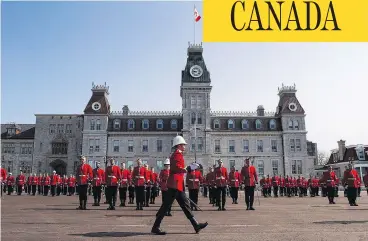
{"points": [[131, 124], [216, 124], [174, 124], [272, 124], [145, 124], [199, 118], [193, 118], [258, 124], [160, 124], [230, 124], [296, 125], [245, 124], [117, 124], [291, 124]]}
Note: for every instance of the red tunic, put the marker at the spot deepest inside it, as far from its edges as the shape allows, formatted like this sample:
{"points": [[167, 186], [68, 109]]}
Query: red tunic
{"points": [[10, 181], [125, 178], [164, 175], [54, 180], [177, 171], [98, 177], [282, 182], [221, 176], [21, 180], [193, 179], [71, 181], [264, 183], [351, 178], [209, 179], [138, 176], [148, 176], [2, 174], [154, 177], [275, 181], [250, 176], [46, 181], [234, 179], [365, 180], [84, 173], [34, 181], [112, 175]]}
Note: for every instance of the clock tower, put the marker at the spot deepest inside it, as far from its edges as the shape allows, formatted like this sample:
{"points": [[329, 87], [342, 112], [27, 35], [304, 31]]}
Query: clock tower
{"points": [[195, 91]]}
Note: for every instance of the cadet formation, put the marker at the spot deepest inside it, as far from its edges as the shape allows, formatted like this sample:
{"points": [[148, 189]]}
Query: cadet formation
{"points": [[141, 185]]}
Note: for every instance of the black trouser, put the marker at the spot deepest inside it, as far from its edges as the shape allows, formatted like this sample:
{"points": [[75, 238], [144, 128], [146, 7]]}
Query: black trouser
{"points": [[171, 195], [10, 189], [58, 190], [65, 190], [83, 195], [39, 189], [330, 193], [34, 187], [153, 194], [122, 194], [71, 190], [29, 189], [164, 197], [324, 191], [336, 191], [148, 195], [221, 196], [4, 188], [46, 190], [205, 191], [112, 191], [264, 191], [139, 194], [213, 195], [352, 195], [234, 193], [53, 190], [19, 190], [249, 196], [89, 190], [275, 191], [359, 190], [97, 194], [131, 194], [289, 191], [282, 191], [269, 191], [193, 195]]}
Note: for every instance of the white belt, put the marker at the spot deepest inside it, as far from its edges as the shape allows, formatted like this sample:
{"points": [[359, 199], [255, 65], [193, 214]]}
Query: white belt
{"points": [[82, 175], [139, 176], [329, 180], [351, 178], [124, 180], [194, 180], [220, 178], [234, 180], [148, 180], [111, 176], [274, 181]]}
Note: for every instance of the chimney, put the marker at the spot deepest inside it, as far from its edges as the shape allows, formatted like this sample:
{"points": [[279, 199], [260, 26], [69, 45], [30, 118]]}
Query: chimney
{"points": [[260, 110], [342, 149], [125, 110]]}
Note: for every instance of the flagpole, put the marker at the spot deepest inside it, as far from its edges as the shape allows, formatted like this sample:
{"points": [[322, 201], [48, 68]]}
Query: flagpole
{"points": [[194, 24]]}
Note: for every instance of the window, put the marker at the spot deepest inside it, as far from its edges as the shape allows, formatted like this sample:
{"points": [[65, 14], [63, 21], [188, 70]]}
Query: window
{"points": [[259, 146], [232, 163], [291, 125], [26, 148], [193, 101], [200, 143], [199, 101], [245, 145], [159, 164], [91, 145], [296, 167], [144, 162], [193, 118], [292, 145], [160, 124], [216, 124], [199, 118], [274, 145], [145, 146], [174, 124], [59, 148], [39, 166], [97, 146], [76, 164], [145, 124], [193, 144], [232, 146], [8, 148], [245, 124], [116, 146], [296, 125], [92, 125], [130, 146], [129, 163], [117, 124], [68, 128], [258, 124], [10, 166], [60, 128], [52, 128], [275, 167], [217, 146], [297, 145], [159, 145], [230, 124], [260, 167], [131, 124], [272, 124], [98, 124]]}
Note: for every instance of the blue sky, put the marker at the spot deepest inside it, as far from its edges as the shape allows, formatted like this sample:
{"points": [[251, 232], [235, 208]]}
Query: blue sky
{"points": [[52, 51]]}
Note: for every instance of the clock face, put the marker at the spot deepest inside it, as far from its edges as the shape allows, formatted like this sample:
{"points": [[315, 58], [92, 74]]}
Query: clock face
{"points": [[196, 71], [292, 107], [96, 106]]}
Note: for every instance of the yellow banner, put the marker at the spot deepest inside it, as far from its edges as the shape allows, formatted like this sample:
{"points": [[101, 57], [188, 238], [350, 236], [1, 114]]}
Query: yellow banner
{"points": [[285, 21]]}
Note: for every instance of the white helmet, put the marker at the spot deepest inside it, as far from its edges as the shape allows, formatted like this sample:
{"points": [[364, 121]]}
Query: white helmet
{"points": [[167, 161], [178, 140]]}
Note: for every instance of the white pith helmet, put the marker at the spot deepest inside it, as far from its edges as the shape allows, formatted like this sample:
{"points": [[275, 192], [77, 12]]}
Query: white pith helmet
{"points": [[178, 140], [167, 161]]}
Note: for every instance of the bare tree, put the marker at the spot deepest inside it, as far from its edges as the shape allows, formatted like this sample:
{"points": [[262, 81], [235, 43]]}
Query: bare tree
{"points": [[322, 158]]}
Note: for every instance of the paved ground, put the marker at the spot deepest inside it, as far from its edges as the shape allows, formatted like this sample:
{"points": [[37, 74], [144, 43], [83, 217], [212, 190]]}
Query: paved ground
{"points": [[55, 218]]}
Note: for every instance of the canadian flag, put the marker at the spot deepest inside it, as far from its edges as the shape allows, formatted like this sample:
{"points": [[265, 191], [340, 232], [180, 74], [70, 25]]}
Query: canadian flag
{"points": [[197, 17]]}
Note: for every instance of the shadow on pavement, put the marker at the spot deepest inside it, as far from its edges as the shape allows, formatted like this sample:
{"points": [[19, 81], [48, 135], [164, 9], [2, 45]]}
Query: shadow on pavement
{"points": [[341, 222], [36, 223], [115, 234], [126, 215]]}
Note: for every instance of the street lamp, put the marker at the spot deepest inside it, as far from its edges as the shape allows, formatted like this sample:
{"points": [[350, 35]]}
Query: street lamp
{"points": [[195, 136]]}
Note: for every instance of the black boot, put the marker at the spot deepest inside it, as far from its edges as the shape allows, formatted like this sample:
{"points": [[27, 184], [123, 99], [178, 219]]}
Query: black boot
{"points": [[156, 226], [197, 226], [95, 203]]}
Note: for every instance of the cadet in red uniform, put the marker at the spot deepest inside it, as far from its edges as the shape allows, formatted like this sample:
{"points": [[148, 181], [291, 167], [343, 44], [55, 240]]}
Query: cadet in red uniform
{"points": [[34, 183], [39, 184], [98, 180], [131, 186], [315, 186], [329, 178], [175, 185], [164, 175], [193, 180], [54, 181], [46, 184], [65, 185], [139, 175], [29, 184], [71, 185], [21, 179], [84, 175], [10, 181], [148, 178], [365, 180], [282, 186], [275, 184], [250, 180], [222, 178], [58, 185], [210, 184], [124, 182], [234, 180], [269, 184], [112, 177], [153, 186], [295, 185], [2, 179], [351, 180]]}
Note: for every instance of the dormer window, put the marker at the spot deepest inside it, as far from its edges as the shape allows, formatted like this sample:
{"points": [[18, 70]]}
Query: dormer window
{"points": [[230, 124], [216, 124], [131, 124], [160, 124], [174, 124], [291, 125], [145, 124], [296, 125], [245, 124], [272, 124], [117, 124], [11, 131], [258, 124]]}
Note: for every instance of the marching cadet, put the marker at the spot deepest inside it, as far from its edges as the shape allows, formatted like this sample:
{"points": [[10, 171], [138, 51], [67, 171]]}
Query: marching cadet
{"points": [[275, 184], [65, 185], [153, 186], [54, 181], [84, 175], [222, 178], [139, 174], [175, 185], [282, 186], [71, 185], [131, 186], [310, 185], [234, 178], [98, 180], [34, 183], [337, 187], [305, 187], [250, 179], [148, 178], [46, 184], [112, 177], [20, 182], [164, 175], [58, 185], [329, 178], [209, 181], [2, 179], [351, 179], [295, 185], [315, 186], [264, 186], [39, 184], [205, 186], [269, 184], [193, 180], [288, 186], [323, 185], [29, 184], [365, 180], [124, 181], [299, 182], [10, 181]]}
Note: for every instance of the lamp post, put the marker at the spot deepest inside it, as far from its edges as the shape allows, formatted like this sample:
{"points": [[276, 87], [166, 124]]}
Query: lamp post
{"points": [[195, 136]]}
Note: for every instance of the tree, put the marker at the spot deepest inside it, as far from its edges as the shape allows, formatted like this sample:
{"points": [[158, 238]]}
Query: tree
{"points": [[322, 158]]}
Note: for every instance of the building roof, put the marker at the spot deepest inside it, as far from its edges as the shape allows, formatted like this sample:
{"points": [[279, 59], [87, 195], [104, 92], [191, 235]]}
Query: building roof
{"points": [[26, 131], [350, 153]]}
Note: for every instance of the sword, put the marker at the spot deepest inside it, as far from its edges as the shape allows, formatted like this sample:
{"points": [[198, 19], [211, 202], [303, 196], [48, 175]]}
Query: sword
{"points": [[194, 204], [259, 202]]}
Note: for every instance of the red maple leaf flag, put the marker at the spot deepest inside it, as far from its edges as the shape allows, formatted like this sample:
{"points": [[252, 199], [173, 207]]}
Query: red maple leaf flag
{"points": [[197, 17]]}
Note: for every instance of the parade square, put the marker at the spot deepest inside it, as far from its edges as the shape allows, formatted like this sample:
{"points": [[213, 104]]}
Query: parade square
{"points": [[56, 218]]}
